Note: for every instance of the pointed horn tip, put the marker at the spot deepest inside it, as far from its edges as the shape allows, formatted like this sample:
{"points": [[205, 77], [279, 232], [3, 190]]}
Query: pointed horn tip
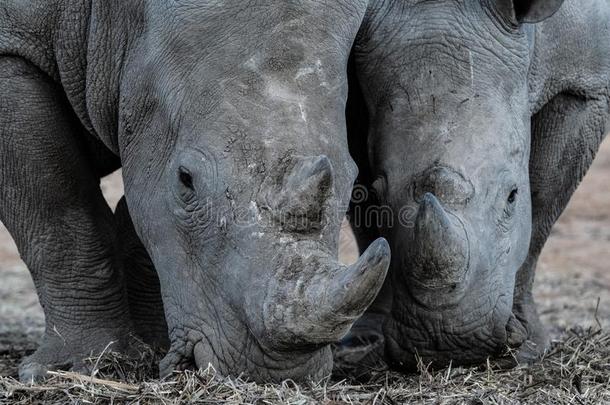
{"points": [[371, 268], [311, 169], [348, 293], [361, 282], [376, 256], [430, 202], [431, 212], [429, 198], [321, 164]]}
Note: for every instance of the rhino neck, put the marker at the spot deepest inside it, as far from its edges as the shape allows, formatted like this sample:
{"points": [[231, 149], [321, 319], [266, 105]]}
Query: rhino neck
{"points": [[110, 31], [28, 30], [80, 45]]}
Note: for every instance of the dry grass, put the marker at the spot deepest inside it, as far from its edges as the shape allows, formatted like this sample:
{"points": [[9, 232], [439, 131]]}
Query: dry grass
{"points": [[576, 370]]}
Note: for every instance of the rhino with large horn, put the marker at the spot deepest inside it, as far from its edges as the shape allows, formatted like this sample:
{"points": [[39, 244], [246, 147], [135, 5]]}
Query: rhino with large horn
{"points": [[227, 118]]}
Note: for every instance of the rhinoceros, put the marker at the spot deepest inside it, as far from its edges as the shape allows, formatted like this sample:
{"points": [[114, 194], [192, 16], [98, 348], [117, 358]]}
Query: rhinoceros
{"points": [[228, 120], [472, 123]]}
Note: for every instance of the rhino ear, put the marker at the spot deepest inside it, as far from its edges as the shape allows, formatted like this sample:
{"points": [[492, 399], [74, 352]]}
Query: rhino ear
{"points": [[529, 11]]}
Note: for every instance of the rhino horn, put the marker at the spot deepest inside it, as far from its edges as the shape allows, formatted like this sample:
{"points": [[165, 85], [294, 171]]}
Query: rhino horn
{"points": [[307, 183], [441, 251], [322, 299]]}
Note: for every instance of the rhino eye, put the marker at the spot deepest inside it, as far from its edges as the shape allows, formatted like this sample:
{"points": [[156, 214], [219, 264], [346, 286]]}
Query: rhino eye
{"points": [[186, 178], [512, 197]]}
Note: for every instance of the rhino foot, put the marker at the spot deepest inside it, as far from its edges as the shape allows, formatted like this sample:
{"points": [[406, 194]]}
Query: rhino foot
{"points": [[527, 339], [537, 337], [362, 350], [60, 352], [180, 357]]}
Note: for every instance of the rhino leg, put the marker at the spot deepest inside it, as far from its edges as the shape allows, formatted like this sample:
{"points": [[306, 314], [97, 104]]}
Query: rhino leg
{"points": [[52, 205], [566, 135], [142, 282]]}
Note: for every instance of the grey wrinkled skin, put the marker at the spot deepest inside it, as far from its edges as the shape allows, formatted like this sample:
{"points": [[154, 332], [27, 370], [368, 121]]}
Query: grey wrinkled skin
{"points": [[472, 123], [228, 119]]}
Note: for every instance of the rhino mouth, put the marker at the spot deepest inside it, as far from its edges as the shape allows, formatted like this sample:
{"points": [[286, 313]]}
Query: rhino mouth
{"points": [[440, 338], [194, 350]]}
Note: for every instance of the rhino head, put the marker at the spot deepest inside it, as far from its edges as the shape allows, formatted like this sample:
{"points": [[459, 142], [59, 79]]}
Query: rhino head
{"points": [[237, 175], [446, 87]]}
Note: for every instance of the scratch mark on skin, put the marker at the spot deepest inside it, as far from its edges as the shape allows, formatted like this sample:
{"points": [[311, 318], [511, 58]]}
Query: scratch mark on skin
{"points": [[303, 72], [471, 69], [303, 114], [252, 63], [257, 104], [59, 334], [282, 93], [284, 240], [256, 211]]}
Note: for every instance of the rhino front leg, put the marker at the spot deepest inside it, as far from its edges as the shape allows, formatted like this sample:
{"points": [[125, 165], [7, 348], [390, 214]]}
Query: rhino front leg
{"points": [[566, 135], [52, 205], [143, 289]]}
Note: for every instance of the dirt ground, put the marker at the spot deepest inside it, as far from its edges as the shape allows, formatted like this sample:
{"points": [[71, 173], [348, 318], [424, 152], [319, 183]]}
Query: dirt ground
{"points": [[573, 280]]}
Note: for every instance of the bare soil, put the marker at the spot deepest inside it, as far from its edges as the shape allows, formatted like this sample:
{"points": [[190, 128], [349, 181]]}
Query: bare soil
{"points": [[572, 288]]}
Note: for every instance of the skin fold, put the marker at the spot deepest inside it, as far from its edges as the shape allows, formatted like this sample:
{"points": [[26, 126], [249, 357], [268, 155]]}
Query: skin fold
{"points": [[227, 119], [472, 123]]}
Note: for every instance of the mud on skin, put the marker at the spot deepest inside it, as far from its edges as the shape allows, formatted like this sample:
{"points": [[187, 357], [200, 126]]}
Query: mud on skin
{"points": [[228, 121], [473, 116]]}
